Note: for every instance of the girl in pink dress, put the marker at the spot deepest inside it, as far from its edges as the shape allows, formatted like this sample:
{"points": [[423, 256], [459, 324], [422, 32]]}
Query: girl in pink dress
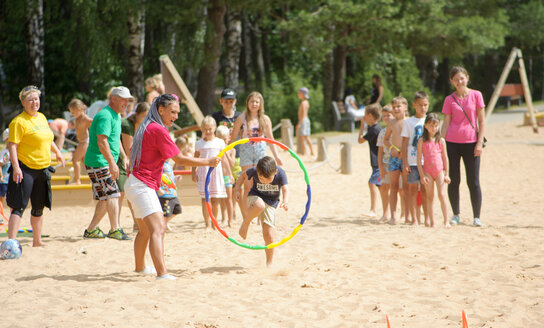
{"points": [[209, 146], [433, 166]]}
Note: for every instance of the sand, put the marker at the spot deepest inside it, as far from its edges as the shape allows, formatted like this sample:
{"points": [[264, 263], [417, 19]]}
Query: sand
{"points": [[343, 269]]}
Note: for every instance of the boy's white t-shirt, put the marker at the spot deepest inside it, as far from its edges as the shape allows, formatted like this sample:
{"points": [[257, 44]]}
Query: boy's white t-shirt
{"points": [[413, 130]]}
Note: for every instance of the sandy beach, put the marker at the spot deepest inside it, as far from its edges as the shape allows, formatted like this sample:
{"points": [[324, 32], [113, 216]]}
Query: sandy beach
{"points": [[343, 269]]}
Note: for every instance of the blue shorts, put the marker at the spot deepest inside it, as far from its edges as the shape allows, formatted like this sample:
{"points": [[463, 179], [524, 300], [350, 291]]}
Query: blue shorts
{"points": [[251, 153], [226, 178], [395, 164], [3, 189], [375, 177], [413, 176]]}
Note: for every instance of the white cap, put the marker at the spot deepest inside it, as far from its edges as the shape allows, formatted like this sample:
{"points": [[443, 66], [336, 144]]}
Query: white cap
{"points": [[122, 92]]}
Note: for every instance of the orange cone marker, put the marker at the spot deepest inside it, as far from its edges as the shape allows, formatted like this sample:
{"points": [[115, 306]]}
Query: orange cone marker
{"points": [[465, 321]]}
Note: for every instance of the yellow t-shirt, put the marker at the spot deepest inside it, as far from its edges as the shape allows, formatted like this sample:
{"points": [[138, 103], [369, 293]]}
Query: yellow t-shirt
{"points": [[33, 138]]}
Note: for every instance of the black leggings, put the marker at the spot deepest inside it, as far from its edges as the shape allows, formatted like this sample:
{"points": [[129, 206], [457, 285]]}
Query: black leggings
{"points": [[456, 151]]}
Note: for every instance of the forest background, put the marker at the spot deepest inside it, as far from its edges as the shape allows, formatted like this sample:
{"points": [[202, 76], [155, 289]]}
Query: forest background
{"points": [[81, 48]]}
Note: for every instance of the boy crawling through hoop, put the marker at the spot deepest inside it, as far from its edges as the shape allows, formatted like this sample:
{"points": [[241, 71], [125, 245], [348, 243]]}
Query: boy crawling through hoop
{"points": [[263, 198]]}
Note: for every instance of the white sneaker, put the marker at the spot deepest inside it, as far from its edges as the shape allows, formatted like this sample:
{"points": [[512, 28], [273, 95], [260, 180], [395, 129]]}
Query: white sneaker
{"points": [[166, 276], [455, 220], [147, 270], [477, 222]]}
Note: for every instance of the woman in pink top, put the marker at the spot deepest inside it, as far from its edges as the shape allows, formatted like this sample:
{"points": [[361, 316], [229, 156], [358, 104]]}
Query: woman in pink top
{"points": [[151, 147], [463, 129]]}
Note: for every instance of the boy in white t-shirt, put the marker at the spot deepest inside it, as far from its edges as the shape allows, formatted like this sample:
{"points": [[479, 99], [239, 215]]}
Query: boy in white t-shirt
{"points": [[412, 130]]}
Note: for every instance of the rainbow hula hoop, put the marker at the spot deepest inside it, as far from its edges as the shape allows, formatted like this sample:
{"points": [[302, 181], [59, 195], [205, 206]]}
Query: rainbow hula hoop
{"points": [[308, 193]]}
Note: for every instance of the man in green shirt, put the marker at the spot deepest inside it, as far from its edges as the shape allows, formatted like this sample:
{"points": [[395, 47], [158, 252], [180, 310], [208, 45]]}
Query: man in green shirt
{"points": [[101, 163]]}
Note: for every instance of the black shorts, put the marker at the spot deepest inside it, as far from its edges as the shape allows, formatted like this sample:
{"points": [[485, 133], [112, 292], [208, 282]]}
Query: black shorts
{"points": [[36, 186], [3, 189], [170, 206]]}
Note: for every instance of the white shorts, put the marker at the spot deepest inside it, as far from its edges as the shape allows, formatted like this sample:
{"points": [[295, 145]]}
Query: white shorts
{"points": [[143, 199]]}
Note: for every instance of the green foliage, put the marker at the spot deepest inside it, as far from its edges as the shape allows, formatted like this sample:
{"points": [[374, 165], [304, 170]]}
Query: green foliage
{"points": [[86, 45], [527, 24]]}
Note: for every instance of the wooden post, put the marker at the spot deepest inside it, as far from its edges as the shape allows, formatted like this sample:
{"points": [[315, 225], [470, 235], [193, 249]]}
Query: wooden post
{"points": [[321, 149], [500, 84], [345, 158], [173, 83], [287, 132], [526, 90], [299, 144]]}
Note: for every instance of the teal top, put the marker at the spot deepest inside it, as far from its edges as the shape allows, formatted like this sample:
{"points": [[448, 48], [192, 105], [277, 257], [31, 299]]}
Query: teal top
{"points": [[107, 122]]}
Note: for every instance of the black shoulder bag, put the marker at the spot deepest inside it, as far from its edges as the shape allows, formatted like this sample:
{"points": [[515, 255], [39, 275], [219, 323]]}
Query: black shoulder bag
{"points": [[485, 139]]}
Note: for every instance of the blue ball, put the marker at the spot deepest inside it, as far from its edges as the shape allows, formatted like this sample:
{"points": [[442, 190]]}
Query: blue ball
{"points": [[10, 249]]}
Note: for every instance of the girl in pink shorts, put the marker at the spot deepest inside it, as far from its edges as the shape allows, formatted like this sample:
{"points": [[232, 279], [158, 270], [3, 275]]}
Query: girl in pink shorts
{"points": [[433, 166]]}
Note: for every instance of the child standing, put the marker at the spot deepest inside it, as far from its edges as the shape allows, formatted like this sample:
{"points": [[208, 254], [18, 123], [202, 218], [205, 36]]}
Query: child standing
{"points": [[184, 146], [372, 117], [228, 162], [168, 195], [383, 160], [253, 122], [267, 180], [209, 146], [411, 132], [431, 150], [83, 123], [393, 141], [4, 175], [303, 127]]}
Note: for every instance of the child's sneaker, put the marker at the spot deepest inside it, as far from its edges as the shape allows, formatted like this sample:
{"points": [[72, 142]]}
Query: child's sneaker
{"points": [[118, 234], [166, 276], [95, 233], [455, 220], [477, 222]]}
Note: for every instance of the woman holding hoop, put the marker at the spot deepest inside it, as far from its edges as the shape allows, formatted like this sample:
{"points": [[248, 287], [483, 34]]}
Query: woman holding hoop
{"points": [[463, 129], [151, 147]]}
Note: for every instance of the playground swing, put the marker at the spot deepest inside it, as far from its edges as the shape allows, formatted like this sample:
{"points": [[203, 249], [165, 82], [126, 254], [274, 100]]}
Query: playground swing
{"points": [[514, 54]]}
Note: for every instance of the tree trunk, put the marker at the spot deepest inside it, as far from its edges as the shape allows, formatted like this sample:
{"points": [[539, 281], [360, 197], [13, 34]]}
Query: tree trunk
{"points": [[327, 68], [542, 92], [234, 48], [212, 48], [339, 72], [248, 62], [136, 35], [266, 56], [35, 42], [258, 55]]}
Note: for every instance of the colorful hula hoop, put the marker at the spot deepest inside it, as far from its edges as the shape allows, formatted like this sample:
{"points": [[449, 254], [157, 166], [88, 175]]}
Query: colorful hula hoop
{"points": [[308, 193]]}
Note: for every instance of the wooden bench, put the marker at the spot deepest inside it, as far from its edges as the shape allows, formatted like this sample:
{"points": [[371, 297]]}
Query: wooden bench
{"points": [[339, 120], [72, 195], [82, 195], [511, 92], [65, 179]]}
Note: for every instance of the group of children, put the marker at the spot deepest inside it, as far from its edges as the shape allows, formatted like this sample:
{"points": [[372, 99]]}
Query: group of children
{"points": [[258, 187], [408, 157]]}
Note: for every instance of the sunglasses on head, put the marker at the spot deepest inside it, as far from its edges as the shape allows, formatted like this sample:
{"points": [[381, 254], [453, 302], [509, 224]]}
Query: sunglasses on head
{"points": [[30, 87]]}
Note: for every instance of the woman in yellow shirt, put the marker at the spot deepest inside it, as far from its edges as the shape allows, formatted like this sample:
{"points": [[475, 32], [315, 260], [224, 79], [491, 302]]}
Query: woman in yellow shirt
{"points": [[30, 144]]}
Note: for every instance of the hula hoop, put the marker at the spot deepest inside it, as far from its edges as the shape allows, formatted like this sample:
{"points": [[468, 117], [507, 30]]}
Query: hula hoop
{"points": [[308, 193]]}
